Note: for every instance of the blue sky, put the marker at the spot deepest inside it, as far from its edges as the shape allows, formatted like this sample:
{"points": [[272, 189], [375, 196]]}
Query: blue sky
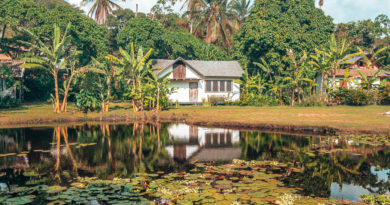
{"points": [[340, 10]]}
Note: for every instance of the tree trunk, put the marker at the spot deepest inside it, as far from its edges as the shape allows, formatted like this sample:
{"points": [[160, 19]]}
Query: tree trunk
{"points": [[57, 103], [158, 99], [64, 101], [293, 97], [3, 32], [322, 85], [107, 108], [333, 78]]}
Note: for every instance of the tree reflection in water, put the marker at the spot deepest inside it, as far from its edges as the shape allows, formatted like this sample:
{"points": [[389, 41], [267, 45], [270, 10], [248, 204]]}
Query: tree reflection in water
{"points": [[107, 151]]}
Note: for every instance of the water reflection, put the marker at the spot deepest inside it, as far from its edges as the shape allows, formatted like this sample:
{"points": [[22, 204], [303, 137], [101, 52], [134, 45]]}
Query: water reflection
{"points": [[192, 143], [321, 166]]}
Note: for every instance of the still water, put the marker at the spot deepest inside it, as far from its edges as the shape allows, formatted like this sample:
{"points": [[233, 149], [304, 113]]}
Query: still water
{"points": [[329, 167]]}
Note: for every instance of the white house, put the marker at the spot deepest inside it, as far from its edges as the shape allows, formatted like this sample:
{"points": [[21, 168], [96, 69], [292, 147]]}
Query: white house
{"points": [[199, 80]]}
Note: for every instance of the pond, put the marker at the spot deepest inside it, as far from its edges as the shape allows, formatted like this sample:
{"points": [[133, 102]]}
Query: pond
{"points": [[313, 166]]}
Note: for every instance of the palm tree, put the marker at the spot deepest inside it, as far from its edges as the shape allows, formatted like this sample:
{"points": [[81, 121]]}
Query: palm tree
{"points": [[321, 3], [134, 67], [53, 57], [213, 21], [101, 9], [241, 9]]}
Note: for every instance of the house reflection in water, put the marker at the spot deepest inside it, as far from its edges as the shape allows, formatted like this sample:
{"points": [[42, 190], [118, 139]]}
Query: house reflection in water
{"points": [[191, 143]]}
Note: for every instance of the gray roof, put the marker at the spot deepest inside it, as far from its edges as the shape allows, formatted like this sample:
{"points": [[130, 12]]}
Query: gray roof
{"points": [[205, 68]]}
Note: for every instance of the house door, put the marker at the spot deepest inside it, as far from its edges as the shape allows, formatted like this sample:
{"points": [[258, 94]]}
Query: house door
{"points": [[194, 92]]}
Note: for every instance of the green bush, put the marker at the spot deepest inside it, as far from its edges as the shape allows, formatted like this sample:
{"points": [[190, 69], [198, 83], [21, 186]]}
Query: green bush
{"points": [[215, 101], [386, 95], [259, 100], [356, 97], [312, 101], [9, 102], [88, 101]]}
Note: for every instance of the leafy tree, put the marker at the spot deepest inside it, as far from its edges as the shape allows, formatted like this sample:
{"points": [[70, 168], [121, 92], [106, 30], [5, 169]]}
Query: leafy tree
{"points": [[51, 4], [322, 64], [141, 31], [53, 57], [87, 36], [187, 46], [274, 26], [101, 9]]}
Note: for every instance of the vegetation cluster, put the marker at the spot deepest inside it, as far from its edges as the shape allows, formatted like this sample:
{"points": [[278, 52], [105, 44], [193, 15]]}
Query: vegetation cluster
{"points": [[290, 51]]}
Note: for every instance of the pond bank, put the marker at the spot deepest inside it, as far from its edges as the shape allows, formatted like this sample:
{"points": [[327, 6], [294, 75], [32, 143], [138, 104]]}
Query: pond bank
{"points": [[316, 120]]}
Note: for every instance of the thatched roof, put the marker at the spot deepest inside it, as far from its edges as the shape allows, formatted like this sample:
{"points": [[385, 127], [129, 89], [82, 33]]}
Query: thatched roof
{"points": [[230, 69], [355, 73]]}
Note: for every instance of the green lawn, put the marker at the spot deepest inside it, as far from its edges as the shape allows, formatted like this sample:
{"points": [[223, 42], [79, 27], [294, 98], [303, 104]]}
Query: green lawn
{"points": [[349, 119]]}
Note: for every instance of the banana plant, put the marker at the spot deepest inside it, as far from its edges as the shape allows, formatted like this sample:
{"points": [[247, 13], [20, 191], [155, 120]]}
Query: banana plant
{"points": [[374, 59], [134, 67], [52, 58]]}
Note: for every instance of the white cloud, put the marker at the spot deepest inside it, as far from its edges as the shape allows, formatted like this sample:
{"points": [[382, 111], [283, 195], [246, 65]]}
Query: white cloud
{"points": [[353, 10], [143, 5]]}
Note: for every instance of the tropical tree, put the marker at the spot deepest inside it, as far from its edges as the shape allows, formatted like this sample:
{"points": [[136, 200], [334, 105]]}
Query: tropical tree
{"points": [[241, 9], [134, 67], [213, 21], [101, 9], [53, 57]]}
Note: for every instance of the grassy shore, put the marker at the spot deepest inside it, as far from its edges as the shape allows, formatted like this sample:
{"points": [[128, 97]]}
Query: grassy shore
{"points": [[345, 119]]}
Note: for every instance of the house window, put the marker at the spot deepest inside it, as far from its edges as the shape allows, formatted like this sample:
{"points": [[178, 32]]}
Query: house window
{"points": [[215, 85], [222, 86], [208, 85], [218, 85], [229, 86], [361, 64]]}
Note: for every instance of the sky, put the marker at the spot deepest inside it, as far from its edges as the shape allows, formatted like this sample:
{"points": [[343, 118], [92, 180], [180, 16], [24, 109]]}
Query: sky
{"points": [[340, 10]]}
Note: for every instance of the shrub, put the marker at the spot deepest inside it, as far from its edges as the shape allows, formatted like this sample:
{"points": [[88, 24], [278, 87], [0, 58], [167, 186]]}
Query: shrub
{"points": [[214, 100], [259, 100], [311, 101], [356, 97], [8, 102], [386, 95], [87, 101]]}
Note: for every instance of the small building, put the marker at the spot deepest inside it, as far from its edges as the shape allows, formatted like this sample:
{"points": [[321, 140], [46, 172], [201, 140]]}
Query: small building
{"points": [[356, 65], [355, 75], [17, 72], [196, 81]]}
